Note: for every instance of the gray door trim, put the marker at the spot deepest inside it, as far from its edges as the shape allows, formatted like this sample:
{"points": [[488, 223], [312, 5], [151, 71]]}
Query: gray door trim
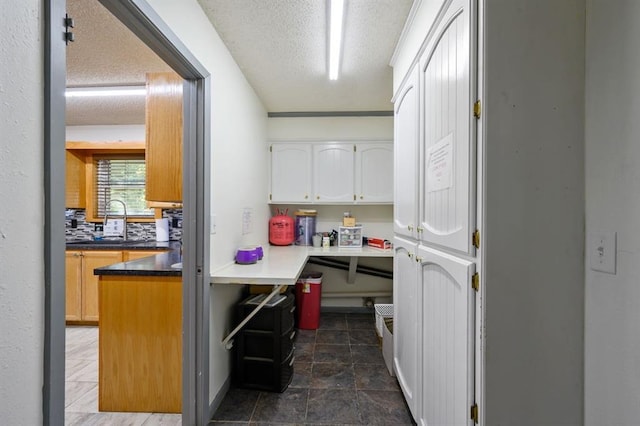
{"points": [[54, 234], [142, 20]]}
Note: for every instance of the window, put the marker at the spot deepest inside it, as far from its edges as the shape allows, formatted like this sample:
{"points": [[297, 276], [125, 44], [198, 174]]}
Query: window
{"points": [[120, 177]]}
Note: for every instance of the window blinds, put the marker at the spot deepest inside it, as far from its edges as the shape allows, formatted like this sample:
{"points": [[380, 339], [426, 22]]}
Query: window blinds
{"points": [[121, 179]]}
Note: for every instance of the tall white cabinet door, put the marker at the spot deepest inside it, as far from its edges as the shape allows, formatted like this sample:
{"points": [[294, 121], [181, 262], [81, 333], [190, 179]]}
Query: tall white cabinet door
{"points": [[447, 177], [374, 172], [406, 143], [333, 172], [290, 173], [447, 338], [405, 320]]}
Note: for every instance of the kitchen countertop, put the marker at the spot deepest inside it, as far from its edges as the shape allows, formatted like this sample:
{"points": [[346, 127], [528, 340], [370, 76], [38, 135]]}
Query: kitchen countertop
{"points": [[121, 245], [158, 265], [283, 264]]}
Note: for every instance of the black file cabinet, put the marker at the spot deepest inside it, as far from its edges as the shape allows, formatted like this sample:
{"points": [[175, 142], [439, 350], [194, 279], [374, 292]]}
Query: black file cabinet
{"points": [[264, 346]]}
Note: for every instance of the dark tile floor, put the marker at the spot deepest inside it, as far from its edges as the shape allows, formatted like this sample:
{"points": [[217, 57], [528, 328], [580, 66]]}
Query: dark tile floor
{"points": [[339, 379]]}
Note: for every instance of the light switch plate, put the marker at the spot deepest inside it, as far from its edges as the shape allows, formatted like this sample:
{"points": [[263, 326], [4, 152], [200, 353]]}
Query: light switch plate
{"points": [[602, 251]]}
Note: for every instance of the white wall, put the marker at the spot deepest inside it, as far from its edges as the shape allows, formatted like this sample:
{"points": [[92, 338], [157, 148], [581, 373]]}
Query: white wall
{"points": [[120, 133], [239, 162], [612, 340], [21, 214]]}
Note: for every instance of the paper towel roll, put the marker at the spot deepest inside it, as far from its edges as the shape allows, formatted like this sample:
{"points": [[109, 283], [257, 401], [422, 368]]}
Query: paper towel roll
{"points": [[162, 229]]}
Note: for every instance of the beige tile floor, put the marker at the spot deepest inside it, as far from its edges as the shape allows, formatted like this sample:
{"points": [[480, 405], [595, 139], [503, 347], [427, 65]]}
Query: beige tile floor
{"points": [[81, 387]]}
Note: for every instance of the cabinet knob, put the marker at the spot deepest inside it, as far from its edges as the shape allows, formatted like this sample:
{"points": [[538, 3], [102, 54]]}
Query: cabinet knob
{"points": [[362, 197], [317, 197], [306, 196], [420, 229], [418, 259], [409, 228], [410, 255]]}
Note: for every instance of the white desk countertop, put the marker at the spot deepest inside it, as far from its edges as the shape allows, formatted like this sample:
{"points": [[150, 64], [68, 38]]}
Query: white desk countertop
{"points": [[283, 264]]}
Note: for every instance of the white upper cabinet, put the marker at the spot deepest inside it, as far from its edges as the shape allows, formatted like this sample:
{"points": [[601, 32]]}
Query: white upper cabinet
{"points": [[290, 173], [374, 173], [447, 178], [333, 172], [407, 140]]}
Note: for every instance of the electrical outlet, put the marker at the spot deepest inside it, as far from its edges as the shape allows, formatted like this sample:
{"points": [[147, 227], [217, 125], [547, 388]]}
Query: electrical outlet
{"points": [[74, 223], [602, 251]]}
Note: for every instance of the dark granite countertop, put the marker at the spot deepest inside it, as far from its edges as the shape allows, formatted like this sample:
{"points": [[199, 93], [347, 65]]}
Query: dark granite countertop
{"points": [[158, 265], [121, 245]]}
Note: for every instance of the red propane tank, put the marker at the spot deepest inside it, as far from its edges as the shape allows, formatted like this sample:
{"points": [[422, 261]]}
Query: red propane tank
{"points": [[281, 229]]}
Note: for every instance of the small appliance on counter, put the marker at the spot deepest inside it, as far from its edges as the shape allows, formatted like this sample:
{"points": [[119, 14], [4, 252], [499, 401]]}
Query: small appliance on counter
{"points": [[249, 255], [281, 229]]}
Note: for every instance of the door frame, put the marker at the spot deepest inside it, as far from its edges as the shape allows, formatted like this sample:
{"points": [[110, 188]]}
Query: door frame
{"points": [[144, 22]]}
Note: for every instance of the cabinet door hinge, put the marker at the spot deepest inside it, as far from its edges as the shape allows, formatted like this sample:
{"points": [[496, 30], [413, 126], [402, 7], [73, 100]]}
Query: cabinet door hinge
{"points": [[477, 109], [68, 24], [475, 282], [475, 239], [474, 413]]}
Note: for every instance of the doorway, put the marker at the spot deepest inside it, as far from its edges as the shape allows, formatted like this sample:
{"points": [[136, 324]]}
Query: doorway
{"points": [[141, 19]]}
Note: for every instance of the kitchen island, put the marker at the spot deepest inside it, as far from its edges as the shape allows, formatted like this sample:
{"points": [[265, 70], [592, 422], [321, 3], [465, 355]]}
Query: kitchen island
{"points": [[140, 343]]}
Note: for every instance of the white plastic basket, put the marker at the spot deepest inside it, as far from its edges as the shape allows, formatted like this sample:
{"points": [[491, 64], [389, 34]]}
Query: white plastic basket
{"points": [[382, 311]]}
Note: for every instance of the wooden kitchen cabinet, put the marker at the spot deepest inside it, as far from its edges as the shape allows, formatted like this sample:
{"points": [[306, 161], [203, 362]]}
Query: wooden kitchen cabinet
{"points": [[75, 181], [139, 254], [290, 173], [82, 286], [164, 122], [73, 285]]}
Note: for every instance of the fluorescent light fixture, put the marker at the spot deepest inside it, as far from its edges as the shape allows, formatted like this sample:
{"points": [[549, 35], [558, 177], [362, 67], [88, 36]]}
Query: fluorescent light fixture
{"points": [[85, 92], [335, 37]]}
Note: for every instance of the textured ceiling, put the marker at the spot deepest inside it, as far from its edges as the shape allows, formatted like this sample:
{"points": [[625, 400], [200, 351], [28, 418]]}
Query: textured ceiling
{"points": [[280, 45]]}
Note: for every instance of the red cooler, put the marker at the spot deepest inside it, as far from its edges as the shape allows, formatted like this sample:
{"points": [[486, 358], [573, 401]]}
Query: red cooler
{"points": [[308, 292]]}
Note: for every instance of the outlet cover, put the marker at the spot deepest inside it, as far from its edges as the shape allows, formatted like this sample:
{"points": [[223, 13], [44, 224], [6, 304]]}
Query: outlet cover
{"points": [[602, 251]]}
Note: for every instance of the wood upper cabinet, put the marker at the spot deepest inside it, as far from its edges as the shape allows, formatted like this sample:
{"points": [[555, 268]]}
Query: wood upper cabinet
{"points": [[164, 137], [75, 192]]}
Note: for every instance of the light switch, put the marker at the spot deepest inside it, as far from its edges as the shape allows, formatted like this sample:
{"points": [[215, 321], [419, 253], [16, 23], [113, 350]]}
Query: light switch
{"points": [[247, 220], [602, 251]]}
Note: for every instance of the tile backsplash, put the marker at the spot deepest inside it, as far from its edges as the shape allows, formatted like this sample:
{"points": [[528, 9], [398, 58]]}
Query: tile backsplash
{"points": [[135, 230]]}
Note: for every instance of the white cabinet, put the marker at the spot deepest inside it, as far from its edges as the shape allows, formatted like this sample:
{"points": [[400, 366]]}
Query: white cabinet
{"points": [[446, 354], [331, 172], [374, 172], [405, 320], [407, 139], [290, 173]]}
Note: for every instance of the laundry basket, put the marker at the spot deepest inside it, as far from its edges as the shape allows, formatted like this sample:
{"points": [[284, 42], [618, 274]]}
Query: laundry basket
{"points": [[382, 311]]}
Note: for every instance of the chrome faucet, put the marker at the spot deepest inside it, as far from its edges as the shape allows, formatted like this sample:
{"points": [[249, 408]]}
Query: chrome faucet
{"points": [[124, 216]]}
